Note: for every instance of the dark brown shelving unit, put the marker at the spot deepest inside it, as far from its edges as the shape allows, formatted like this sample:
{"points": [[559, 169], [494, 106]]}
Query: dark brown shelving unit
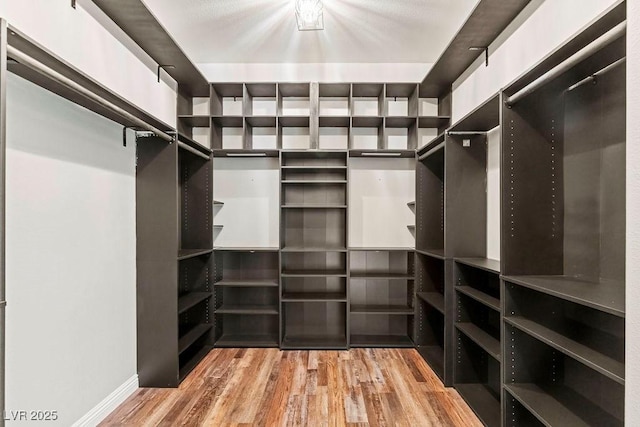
{"points": [[247, 297], [381, 297], [563, 235], [313, 255]]}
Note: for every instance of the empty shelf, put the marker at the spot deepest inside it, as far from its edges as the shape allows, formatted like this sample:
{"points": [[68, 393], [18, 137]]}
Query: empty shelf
{"points": [[313, 296], [366, 121], [606, 365], [490, 265], [248, 283], [434, 356], [189, 338], [191, 299], [399, 122], [607, 296], [195, 121], [314, 273], [481, 297], [559, 406], [382, 276], [433, 253], [188, 366], [434, 299], [233, 340], [245, 249], [191, 253], [314, 181], [334, 121], [228, 121], [261, 121], [309, 206], [247, 309], [312, 249], [294, 121], [480, 337], [433, 121], [314, 342], [320, 167], [381, 309], [482, 401], [381, 249], [381, 341]]}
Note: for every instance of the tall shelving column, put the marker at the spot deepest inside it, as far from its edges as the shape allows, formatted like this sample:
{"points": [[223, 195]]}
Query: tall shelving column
{"points": [[563, 228], [314, 257]]}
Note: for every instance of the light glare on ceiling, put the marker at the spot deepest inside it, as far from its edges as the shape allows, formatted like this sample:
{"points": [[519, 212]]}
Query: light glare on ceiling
{"points": [[309, 15]]}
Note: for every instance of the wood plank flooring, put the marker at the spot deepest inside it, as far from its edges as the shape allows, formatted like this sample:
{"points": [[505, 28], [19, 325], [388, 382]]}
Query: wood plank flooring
{"points": [[269, 387]]}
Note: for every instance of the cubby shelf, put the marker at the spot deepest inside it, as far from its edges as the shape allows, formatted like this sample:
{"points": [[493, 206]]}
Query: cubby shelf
{"points": [[240, 340], [434, 299], [191, 299], [559, 406], [490, 265], [313, 206], [313, 273], [294, 249], [488, 300], [192, 336], [195, 120], [480, 337], [607, 296], [433, 253], [381, 341], [381, 276], [605, 365], [246, 309], [313, 296], [248, 283], [382, 309], [184, 254]]}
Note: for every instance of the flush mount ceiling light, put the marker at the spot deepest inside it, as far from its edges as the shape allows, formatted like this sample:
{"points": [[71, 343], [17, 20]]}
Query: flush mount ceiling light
{"points": [[309, 15]]}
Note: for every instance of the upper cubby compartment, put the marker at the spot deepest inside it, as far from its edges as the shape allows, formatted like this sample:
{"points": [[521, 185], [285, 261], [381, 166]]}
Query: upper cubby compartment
{"points": [[227, 99], [335, 100], [260, 99], [294, 99], [367, 99], [401, 100]]}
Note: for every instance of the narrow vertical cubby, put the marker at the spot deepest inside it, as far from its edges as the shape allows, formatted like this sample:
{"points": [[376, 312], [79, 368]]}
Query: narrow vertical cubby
{"points": [[297, 107], [401, 133], [227, 99], [366, 133], [314, 258], [401, 100], [261, 132], [260, 99], [367, 116], [227, 123], [195, 175], [193, 124], [195, 311], [430, 203], [433, 319], [434, 115], [381, 298], [246, 298], [227, 133]]}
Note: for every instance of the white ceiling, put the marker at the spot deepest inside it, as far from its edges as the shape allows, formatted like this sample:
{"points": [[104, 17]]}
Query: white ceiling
{"points": [[356, 31]]}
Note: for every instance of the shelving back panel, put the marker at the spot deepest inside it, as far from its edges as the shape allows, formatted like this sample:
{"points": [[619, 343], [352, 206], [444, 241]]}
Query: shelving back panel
{"points": [[379, 190], [314, 285], [319, 227], [196, 201], [236, 265], [430, 208], [564, 167], [466, 196], [323, 321], [314, 262]]}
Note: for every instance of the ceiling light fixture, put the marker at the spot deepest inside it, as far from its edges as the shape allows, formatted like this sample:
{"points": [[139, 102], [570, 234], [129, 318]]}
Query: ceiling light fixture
{"points": [[309, 15]]}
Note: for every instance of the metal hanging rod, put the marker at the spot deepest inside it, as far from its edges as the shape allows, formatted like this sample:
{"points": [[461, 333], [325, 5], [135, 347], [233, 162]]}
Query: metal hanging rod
{"points": [[430, 152], [192, 150], [594, 77], [465, 133], [604, 40], [28, 61]]}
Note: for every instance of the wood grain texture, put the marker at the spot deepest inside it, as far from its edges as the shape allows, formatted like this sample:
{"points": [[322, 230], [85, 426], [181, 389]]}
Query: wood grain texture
{"points": [[269, 387]]}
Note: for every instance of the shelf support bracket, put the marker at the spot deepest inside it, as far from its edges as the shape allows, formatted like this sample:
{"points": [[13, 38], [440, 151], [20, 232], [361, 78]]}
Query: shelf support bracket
{"points": [[163, 67], [73, 4], [486, 53]]}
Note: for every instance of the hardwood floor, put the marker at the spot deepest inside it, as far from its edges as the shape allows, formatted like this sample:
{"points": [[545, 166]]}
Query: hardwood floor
{"points": [[268, 387]]}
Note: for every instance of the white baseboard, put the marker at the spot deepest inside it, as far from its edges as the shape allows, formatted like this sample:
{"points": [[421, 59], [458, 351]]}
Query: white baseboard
{"points": [[109, 404]]}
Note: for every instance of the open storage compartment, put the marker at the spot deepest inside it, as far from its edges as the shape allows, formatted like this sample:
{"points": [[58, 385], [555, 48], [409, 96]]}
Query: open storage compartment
{"points": [[195, 176], [430, 203], [381, 298], [247, 300], [314, 325]]}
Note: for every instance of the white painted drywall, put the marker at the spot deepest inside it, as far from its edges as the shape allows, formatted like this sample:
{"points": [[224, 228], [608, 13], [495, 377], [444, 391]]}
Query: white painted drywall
{"points": [[379, 190], [250, 191], [632, 375], [71, 256], [541, 27], [88, 40], [493, 194], [315, 72]]}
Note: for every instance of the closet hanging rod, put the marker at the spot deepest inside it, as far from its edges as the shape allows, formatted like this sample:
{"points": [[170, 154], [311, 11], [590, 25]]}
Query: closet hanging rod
{"points": [[192, 150], [604, 40], [597, 74], [28, 61], [430, 152]]}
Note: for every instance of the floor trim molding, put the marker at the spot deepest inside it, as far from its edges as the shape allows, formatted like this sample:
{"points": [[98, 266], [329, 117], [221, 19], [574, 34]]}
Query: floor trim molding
{"points": [[109, 404]]}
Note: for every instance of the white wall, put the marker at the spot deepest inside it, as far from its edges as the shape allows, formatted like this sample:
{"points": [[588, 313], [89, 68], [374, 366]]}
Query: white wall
{"points": [[311, 72], [88, 40], [71, 274], [541, 27], [250, 190], [633, 213], [493, 193], [379, 190]]}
